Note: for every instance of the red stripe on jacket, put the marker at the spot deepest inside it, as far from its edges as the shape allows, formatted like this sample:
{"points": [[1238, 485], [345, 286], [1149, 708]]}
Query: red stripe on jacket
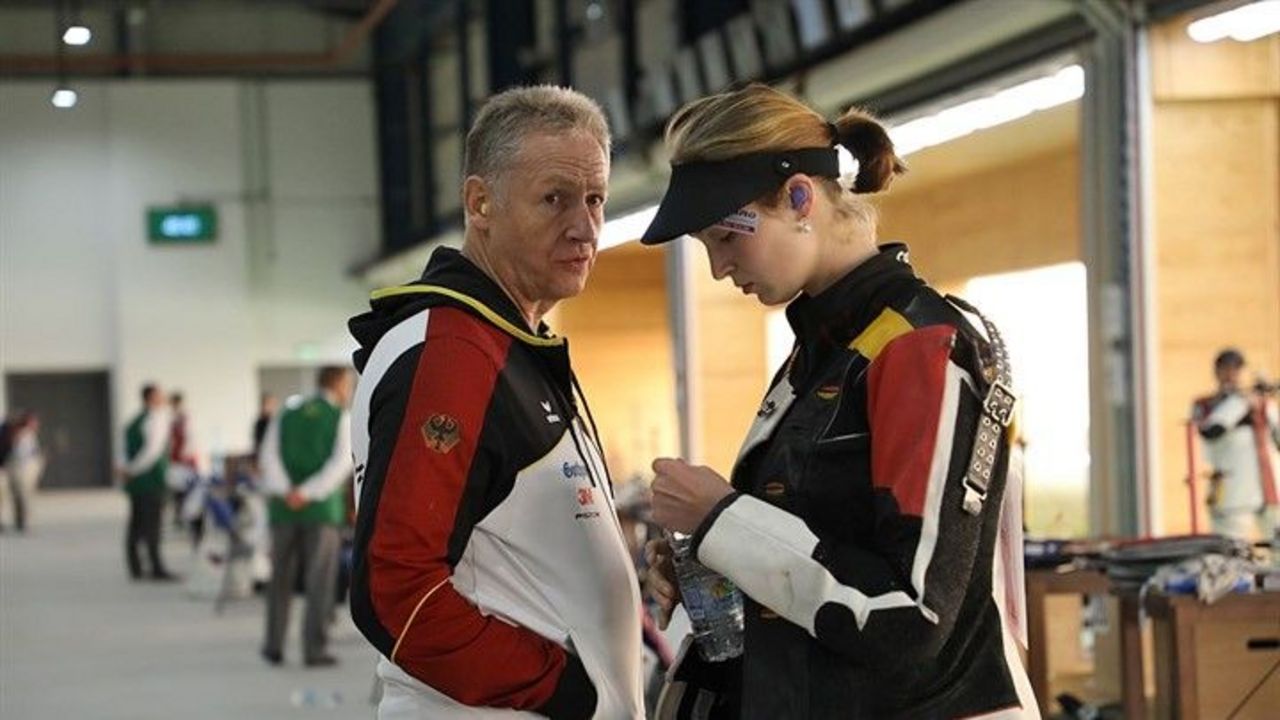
{"points": [[450, 645], [904, 404]]}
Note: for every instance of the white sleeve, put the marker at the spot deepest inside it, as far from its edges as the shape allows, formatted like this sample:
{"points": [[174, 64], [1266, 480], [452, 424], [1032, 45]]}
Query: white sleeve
{"points": [[154, 446], [275, 479], [1228, 413], [26, 446], [336, 469]]}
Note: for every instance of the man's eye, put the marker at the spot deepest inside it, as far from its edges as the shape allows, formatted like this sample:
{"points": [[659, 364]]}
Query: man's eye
{"points": [[551, 198], [595, 200]]}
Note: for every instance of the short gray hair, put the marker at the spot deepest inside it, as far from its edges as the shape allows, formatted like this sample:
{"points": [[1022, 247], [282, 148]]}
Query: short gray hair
{"points": [[502, 124]]}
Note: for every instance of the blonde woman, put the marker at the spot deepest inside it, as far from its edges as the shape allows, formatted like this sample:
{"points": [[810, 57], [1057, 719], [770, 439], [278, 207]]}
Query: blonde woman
{"points": [[863, 514]]}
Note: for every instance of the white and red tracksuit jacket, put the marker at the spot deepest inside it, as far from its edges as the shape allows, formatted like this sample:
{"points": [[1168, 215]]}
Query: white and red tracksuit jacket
{"points": [[490, 570]]}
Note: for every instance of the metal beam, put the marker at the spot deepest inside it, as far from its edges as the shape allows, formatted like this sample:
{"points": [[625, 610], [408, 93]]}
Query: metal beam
{"points": [[1112, 225], [1064, 36], [564, 43], [202, 63], [463, 36]]}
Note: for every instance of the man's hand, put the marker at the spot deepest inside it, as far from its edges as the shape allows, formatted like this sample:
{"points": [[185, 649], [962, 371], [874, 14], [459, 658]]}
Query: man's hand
{"points": [[661, 579], [683, 494], [295, 500], [122, 475]]}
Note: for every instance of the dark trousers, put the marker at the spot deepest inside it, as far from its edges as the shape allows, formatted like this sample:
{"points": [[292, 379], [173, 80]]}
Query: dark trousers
{"points": [[145, 511], [316, 548]]}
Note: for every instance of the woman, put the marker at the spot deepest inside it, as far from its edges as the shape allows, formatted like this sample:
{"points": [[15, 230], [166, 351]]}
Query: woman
{"points": [[863, 514]]}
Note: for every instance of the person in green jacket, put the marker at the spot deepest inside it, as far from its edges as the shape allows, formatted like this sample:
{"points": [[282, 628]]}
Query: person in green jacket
{"points": [[146, 451], [305, 463]]}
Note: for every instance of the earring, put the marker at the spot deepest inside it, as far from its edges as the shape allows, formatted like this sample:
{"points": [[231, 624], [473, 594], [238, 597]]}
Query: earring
{"points": [[804, 226]]}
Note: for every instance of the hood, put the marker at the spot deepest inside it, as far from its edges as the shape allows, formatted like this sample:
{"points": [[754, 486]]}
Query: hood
{"points": [[448, 279]]}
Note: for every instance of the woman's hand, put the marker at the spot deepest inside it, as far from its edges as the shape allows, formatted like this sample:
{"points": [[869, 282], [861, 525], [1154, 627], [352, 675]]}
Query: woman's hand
{"points": [[683, 494], [661, 579]]}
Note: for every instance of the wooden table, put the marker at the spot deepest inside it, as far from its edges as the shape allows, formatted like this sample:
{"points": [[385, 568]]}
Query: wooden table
{"points": [[1133, 682], [1216, 661], [1042, 583]]}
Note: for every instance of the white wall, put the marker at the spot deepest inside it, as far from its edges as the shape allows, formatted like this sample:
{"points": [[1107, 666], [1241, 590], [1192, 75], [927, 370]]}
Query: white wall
{"points": [[56, 256], [323, 214], [290, 166]]}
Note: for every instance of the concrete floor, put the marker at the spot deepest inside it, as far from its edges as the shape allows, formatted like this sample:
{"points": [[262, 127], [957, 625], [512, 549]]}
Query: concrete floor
{"points": [[79, 640]]}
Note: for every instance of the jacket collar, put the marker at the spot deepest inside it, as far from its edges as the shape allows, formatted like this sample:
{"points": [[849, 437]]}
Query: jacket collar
{"points": [[451, 275], [838, 314]]}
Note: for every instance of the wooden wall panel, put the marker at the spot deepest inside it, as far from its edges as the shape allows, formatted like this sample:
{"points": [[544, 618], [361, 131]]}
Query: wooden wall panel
{"points": [[1217, 245], [620, 341], [1019, 216], [731, 368], [1183, 69]]}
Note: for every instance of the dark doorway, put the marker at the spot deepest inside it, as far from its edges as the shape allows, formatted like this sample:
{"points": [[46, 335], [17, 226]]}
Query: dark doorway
{"points": [[75, 424]]}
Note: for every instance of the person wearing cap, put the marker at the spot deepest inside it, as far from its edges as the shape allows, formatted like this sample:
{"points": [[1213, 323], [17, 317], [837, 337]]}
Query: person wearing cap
{"points": [[1240, 431], [864, 513]]}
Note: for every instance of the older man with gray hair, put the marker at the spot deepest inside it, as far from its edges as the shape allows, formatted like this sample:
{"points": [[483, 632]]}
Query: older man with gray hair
{"points": [[490, 571]]}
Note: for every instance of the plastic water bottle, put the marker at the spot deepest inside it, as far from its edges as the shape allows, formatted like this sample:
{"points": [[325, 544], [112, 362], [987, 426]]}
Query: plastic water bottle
{"points": [[312, 698], [713, 602]]}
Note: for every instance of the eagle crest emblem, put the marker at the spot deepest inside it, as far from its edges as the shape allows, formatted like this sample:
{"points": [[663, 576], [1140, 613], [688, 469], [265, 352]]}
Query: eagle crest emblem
{"points": [[441, 433]]}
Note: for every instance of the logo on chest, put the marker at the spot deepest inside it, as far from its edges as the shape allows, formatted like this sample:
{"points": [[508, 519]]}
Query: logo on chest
{"points": [[586, 504], [552, 418], [441, 433]]}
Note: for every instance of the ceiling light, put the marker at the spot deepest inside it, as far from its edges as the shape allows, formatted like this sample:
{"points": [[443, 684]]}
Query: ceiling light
{"points": [[64, 97], [77, 35], [1244, 23], [626, 228], [1000, 107]]}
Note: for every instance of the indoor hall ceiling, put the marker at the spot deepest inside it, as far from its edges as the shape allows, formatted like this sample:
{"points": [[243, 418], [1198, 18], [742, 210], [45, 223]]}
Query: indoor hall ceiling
{"points": [[1036, 134], [193, 37]]}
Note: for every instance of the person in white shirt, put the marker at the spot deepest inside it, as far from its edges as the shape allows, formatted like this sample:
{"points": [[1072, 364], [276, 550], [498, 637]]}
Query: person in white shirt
{"points": [[1240, 431], [23, 466], [305, 463], [146, 451]]}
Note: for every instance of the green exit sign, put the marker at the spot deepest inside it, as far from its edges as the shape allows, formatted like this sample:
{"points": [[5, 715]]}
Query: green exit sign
{"points": [[178, 225]]}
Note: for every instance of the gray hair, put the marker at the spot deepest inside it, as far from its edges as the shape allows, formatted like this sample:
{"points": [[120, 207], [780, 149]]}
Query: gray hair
{"points": [[494, 141]]}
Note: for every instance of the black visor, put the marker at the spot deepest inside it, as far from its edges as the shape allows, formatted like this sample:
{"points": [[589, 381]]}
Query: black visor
{"points": [[701, 194]]}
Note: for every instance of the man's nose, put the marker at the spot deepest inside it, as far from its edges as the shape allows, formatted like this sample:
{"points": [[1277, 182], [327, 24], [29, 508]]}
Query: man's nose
{"points": [[585, 225]]}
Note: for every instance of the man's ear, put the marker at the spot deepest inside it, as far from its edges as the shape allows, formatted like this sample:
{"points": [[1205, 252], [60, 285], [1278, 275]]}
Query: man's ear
{"points": [[477, 202]]}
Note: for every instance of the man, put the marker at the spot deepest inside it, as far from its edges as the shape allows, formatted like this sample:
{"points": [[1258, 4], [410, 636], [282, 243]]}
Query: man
{"points": [[305, 461], [490, 571], [266, 410], [1241, 434], [23, 463], [182, 464], [146, 450]]}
